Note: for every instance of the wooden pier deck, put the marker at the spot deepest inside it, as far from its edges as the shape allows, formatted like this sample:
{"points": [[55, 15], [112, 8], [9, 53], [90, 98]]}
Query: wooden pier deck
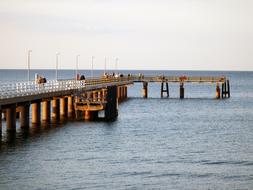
{"points": [[57, 99]]}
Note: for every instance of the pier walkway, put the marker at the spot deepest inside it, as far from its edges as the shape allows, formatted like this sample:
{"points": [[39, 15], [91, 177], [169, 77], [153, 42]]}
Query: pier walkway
{"points": [[58, 99]]}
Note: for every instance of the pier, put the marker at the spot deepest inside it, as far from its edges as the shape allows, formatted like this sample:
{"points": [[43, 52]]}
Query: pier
{"points": [[58, 100]]}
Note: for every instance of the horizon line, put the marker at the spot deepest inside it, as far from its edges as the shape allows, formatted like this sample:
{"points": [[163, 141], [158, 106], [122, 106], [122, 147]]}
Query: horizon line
{"points": [[136, 70]]}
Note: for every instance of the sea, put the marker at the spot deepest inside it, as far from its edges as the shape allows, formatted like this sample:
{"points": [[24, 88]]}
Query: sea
{"points": [[155, 143]]}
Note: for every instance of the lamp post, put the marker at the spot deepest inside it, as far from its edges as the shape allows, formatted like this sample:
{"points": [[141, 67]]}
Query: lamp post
{"points": [[56, 65], [105, 66], [29, 64], [116, 64], [77, 56], [92, 64]]}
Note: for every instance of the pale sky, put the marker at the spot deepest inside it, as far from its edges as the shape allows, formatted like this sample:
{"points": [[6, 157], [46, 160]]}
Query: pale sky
{"points": [[143, 34]]}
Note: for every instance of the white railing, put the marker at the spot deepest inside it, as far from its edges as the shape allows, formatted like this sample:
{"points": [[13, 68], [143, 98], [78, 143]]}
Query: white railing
{"points": [[19, 89], [9, 90]]}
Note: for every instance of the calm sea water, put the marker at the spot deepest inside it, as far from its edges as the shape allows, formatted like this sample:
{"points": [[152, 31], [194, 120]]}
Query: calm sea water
{"points": [[195, 143]]}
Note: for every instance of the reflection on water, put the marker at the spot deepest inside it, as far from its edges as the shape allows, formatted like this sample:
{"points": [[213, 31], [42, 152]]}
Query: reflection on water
{"points": [[22, 135]]}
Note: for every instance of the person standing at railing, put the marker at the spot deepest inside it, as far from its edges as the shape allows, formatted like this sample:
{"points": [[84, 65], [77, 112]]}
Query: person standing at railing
{"points": [[40, 80], [82, 80], [82, 77], [77, 77]]}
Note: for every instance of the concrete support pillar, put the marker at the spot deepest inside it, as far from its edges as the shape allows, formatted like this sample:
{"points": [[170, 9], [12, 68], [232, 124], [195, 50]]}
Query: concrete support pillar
{"points": [[111, 109], [0, 123], [94, 115], [90, 115], [228, 89], [104, 93], [90, 96], [55, 109], [87, 115], [181, 91], [225, 89], [166, 90], [11, 118], [70, 106], [95, 96], [63, 107], [118, 93], [217, 91], [145, 90], [122, 92], [126, 91], [36, 113], [4, 115], [17, 114], [46, 110], [24, 115], [79, 114]]}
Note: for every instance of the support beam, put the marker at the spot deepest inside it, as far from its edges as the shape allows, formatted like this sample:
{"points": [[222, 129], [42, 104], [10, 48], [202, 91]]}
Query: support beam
{"points": [[225, 89], [36, 107], [63, 107], [222, 90], [46, 110], [55, 110], [24, 115], [166, 90], [217, 91], [181, 91], [228, 89], [145, 90], [11, 118]]}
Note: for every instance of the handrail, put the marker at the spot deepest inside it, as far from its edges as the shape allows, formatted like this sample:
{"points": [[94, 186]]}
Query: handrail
{"points": [[31, 88]]}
